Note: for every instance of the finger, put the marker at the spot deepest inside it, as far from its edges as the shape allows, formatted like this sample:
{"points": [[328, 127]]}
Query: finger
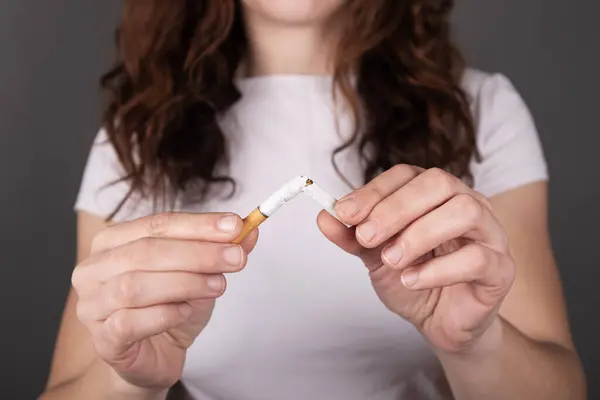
{"points": [[462, 216], [144, 289], [345, 238], [127, 327], [470, 264], [421, 195], [211, 227], [356, 206], [161, 255], [249, 242]]}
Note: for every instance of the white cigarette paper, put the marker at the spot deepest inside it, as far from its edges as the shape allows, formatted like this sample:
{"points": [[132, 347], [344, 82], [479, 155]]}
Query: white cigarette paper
{"points": [[326, 200], [293, 188], [286, 193]]}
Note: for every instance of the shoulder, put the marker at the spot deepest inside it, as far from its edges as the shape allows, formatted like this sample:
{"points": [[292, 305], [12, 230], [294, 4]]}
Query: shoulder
{"points": [[507, 138], [103, 187], [488, 92]]}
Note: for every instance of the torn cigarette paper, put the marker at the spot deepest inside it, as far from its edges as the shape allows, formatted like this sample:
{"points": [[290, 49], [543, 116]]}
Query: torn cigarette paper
{"points": [[286, 193], [326, 200], [293, 188]]}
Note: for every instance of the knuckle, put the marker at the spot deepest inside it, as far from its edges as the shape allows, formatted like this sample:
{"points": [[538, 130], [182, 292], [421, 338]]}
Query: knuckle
{"points": [[481, 258], [125, 292], [119, 329], [404, 171], [100, 238], [78, 277], [82, 278], [82, 311], [103, 347], [159, 224], [436, 173], [470, 209], [442, 180]]}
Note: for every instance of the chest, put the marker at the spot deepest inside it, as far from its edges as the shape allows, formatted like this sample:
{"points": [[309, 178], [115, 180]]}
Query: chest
{"points": [[302, 307]]}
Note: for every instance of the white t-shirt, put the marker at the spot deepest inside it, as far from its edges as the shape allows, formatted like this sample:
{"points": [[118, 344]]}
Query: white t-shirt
{"points": [[302, 320]]}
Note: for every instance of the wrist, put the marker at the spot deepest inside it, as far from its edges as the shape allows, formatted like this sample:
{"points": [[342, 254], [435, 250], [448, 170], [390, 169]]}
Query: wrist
{"points": [[487, 345], [113, 386], [126, 390]]}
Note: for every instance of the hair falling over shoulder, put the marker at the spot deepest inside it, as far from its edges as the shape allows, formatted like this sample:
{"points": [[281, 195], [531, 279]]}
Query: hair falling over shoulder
{"points": [[177, 61]]}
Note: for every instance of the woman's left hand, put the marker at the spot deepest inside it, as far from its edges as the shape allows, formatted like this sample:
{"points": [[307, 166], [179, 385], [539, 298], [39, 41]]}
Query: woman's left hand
{"points": [[437, 256]]}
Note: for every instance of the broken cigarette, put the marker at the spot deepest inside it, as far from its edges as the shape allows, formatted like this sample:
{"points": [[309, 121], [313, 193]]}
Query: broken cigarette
{"points": [[283, 195]]}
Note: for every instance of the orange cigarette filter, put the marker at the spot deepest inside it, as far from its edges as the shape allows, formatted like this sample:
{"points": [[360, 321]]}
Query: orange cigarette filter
{"points": [[251, 222]]}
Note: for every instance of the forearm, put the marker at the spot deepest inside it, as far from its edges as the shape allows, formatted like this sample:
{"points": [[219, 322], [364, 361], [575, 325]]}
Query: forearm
{"points": [[100, 382], [512, 366]]}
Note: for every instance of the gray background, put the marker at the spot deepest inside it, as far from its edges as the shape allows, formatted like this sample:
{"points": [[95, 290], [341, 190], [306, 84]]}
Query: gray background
{"points": [[52, 51]]}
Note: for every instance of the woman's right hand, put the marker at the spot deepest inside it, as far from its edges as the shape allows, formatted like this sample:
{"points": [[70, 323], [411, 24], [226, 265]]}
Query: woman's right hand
{"points": [[149, 286]]}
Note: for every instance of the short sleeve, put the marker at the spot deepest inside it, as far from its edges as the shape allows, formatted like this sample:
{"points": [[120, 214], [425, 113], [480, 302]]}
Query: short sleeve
{"points": [[507, 138], [101, 190]]}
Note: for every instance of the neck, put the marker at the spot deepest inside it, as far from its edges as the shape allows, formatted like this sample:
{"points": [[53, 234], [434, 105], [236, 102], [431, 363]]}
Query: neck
{"points": [[275, 48]]}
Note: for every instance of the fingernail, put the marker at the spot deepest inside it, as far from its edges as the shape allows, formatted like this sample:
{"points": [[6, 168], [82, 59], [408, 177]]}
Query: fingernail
{"points": [[393, 254], [348, 206], [367, 231], [215, 283], [227, 223], [233, 255], [410, 277]]}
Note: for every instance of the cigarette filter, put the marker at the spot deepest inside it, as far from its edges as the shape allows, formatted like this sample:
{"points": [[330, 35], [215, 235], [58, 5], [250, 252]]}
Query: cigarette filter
{"points": [[251, 222]]}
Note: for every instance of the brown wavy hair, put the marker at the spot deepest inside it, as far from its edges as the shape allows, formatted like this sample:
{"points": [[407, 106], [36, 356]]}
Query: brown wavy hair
{"points": [[175, 72]]}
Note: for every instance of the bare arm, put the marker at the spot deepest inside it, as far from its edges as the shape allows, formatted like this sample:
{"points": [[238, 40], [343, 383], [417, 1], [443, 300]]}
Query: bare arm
{"points": [[536, 358], [76, 370], [475, 276]]}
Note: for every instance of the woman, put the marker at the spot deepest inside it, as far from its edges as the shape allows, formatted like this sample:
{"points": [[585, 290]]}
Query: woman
{"points": [[444, 286]]}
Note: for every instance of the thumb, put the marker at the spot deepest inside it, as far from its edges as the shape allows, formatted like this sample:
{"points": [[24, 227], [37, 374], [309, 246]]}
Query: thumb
{"points": [[345, 238]]}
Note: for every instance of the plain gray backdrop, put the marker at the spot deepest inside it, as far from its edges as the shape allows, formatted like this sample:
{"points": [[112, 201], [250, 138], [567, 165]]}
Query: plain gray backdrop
{"points": [[52, 52]]}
